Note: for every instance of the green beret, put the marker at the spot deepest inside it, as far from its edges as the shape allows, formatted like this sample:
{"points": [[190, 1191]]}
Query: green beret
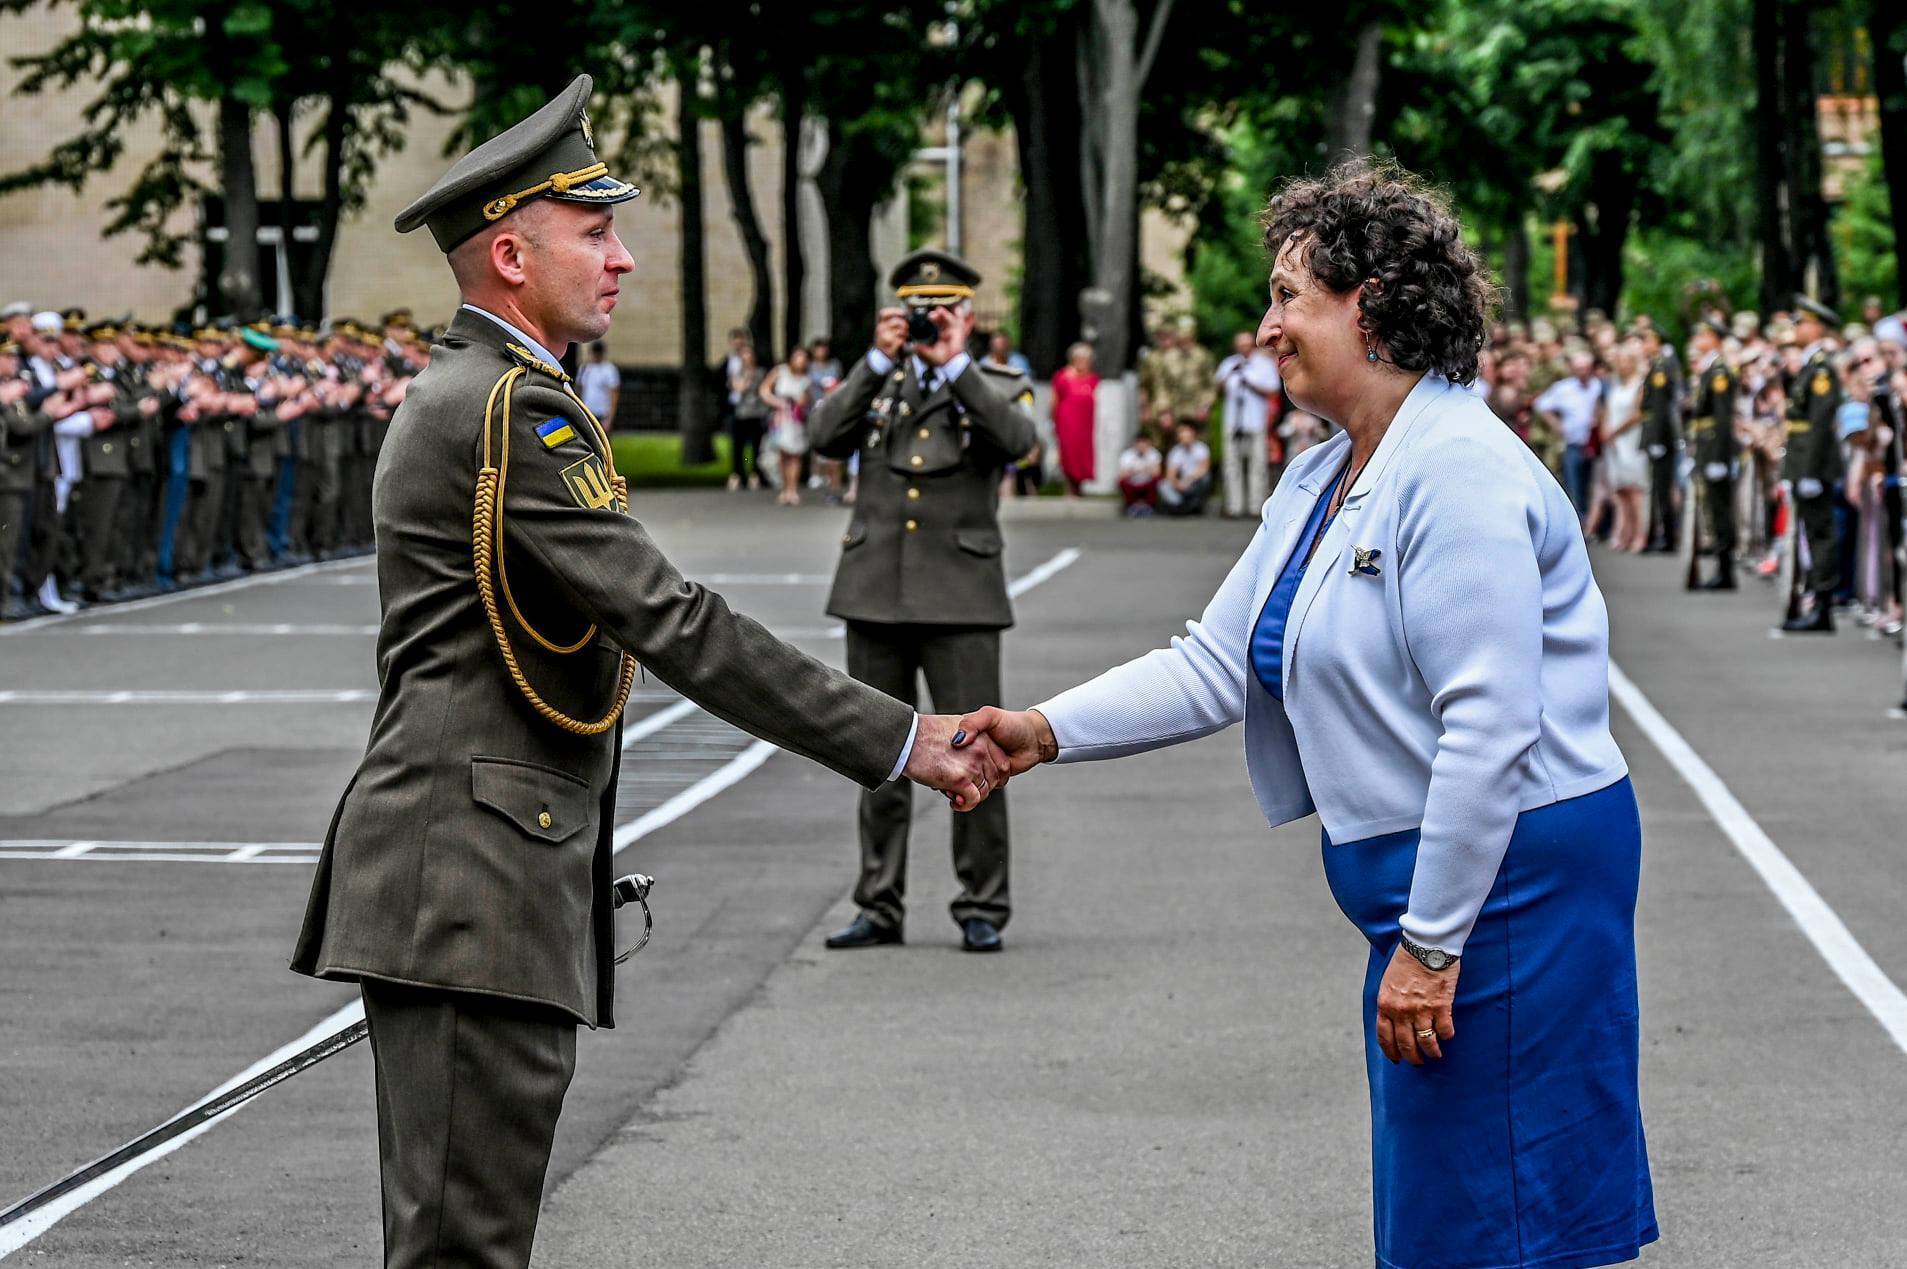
{"points": [[1814, 308], [934, 275], [258, 339], [552, 153]]}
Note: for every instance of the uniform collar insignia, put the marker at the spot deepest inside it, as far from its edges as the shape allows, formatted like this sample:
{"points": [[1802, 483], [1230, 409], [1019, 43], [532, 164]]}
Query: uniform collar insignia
{"points": [[1365, 561]]}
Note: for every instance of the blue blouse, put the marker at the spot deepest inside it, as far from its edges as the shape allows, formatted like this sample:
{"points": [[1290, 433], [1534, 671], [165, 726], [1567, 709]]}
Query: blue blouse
{"points": [[1268, 636]]}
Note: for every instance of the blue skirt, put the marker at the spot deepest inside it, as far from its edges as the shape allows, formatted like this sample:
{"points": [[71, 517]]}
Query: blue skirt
{"points": [[1523, 1146]]}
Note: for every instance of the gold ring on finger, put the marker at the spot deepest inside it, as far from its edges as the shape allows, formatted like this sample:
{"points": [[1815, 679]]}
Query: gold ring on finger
{"points": [[1427, 1033]]}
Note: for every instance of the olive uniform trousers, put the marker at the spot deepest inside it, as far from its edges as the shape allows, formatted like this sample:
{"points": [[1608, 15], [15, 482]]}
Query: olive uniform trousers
{"points": [[962, 667], [468, 1092]]}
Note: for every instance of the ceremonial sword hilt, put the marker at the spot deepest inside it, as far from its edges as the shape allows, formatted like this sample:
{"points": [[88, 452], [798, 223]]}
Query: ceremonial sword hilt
{"points": [[634, 888]]}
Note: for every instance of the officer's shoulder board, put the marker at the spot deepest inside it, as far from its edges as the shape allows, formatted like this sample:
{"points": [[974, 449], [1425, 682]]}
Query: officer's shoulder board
{"points": [[530, 361], [1017, 387]]}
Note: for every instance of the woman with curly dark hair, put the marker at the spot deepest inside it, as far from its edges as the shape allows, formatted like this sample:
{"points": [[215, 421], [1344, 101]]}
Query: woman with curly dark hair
{"points": [[1419, 653]]}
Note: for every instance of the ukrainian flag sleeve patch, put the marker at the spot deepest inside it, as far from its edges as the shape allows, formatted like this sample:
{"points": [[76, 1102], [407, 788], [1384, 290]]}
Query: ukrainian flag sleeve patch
{"points": [[555, 432]]}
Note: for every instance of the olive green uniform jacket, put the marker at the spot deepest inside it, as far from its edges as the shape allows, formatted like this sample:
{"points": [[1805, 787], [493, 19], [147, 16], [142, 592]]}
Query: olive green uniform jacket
{"points": [[924, 544], [1712, 419], [1814, 442], [472, 850]]}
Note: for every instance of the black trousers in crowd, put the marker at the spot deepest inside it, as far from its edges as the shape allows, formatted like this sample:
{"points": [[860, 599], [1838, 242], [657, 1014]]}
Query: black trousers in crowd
{"points": [[1824, 561], [1718, 497], [745, 435], [1662, 500], [469, 1088], [962, 667]]}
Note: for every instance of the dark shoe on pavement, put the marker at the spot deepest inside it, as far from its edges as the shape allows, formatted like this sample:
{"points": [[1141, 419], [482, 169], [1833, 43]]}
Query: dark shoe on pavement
{"points": [[1724, 581], [862, 932], [1820, 621], [980, 936]]}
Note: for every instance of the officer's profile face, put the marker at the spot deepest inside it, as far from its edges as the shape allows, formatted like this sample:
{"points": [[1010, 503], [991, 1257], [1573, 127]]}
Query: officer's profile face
{"points": [[558, 264], [1808, 328]]}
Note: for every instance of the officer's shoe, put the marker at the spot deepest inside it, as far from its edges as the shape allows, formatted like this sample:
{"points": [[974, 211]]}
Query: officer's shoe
{"points": [[862, 932], [1721, 581], [1819, 621], [980, 936]]}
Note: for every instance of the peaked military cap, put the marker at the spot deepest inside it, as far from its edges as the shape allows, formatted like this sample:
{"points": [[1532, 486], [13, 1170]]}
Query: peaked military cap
{"points": [[1816, 309], [934, 275], [551, 154], [1714, 324]]}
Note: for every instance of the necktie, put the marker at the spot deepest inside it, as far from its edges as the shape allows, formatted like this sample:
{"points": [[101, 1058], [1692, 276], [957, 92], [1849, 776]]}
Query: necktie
{"points": [[931, 382]]}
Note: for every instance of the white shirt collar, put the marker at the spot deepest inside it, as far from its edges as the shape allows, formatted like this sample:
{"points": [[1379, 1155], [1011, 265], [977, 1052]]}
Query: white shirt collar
{"points": [[541, 352]]}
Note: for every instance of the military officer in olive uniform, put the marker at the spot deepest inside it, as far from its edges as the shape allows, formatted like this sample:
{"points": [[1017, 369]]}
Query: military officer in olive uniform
{"points": [[1812, 463], [1711, 432], [921, 583], [1661, 437], [22, 429], [465, 879], [106, 460]]}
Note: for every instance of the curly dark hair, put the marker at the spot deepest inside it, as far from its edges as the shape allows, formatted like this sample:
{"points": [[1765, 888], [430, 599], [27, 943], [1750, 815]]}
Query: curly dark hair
{"points": [[1427, 297]]}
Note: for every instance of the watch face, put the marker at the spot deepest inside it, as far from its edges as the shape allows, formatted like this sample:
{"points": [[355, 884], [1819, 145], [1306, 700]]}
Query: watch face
{"points": [[1436, 958]]}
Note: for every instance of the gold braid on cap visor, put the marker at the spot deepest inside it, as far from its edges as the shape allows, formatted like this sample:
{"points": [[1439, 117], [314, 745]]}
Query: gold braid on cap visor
{"points": [[938, 291], [559, 183]]}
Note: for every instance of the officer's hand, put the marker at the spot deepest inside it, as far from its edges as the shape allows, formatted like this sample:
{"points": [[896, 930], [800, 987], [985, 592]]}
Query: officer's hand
{"points": [[956, 328], [1023, 736], [890, 332], [1716, 471], [967, 775]]}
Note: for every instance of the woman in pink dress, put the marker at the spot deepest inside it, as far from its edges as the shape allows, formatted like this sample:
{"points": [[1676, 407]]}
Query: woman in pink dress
{"points": [[1073, 389]]}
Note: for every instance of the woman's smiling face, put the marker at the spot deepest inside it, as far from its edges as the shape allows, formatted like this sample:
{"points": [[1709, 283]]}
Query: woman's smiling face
{"points": [[1312, 332]]}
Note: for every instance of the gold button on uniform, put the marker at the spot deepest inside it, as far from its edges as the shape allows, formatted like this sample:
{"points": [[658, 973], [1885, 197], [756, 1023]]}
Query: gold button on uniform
{"points": [[106, 447], [917, 460], [912, 525], [913, 494], [543, 820], [925, 433]]}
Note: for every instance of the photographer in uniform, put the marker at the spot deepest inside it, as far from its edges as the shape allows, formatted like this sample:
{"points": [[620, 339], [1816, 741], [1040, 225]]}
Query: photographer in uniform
{"points": [[921, 583]]}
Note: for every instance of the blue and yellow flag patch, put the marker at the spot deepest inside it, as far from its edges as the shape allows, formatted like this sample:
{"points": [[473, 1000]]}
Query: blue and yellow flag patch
{"points": [[555, 432]]}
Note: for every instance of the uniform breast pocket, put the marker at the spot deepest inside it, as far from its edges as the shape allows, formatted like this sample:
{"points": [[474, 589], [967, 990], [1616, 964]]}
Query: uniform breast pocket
{"points": [[925, 449], [542, 802]]}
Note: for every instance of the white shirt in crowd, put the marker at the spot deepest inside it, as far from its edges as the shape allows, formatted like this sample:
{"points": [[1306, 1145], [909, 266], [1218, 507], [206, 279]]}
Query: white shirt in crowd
{"points": [[1187, 459], [596, 382], [1574, 402], [1246, 380], [1141, 464]]}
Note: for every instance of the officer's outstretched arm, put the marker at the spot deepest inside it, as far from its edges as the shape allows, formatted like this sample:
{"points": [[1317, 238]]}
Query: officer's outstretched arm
{"points": [[994, 415], [834, 425], [560, 518]]}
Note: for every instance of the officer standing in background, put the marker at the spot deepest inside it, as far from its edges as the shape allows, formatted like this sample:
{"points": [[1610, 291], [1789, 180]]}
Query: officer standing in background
{"points": [[465, 882], [1712, 437], [1812, 464], [1661, 437], [921, 583], [106, 459], [22, 425]]}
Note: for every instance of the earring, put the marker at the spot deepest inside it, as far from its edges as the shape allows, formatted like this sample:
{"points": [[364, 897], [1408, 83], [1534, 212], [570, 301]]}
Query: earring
{"points": [[1370, 351]]}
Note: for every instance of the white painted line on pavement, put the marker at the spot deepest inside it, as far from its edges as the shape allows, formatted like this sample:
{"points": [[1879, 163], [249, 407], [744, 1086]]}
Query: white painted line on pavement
{"points": [[738, 768], [649, 725], [279, 696], [247, 628], [17, 1235], [1819, 922], [1043, 573], [326, 570]]}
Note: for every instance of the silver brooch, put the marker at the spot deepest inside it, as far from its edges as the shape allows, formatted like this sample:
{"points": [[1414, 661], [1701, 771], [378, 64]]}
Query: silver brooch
{"points": [[1365, 561]]}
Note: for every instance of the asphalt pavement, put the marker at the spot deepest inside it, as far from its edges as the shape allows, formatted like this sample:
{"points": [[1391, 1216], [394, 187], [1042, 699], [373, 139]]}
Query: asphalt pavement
{"points": [[1164, 1067]]}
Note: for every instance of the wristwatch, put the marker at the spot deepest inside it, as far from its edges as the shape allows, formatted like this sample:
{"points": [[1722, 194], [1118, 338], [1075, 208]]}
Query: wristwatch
{"points": [[1432, 957]]}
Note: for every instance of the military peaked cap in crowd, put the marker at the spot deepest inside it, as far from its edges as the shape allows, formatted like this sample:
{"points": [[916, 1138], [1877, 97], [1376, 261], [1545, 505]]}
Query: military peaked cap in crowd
{"points": [[552, 154], [934, 275], [1817, 309], [1714, 324]]}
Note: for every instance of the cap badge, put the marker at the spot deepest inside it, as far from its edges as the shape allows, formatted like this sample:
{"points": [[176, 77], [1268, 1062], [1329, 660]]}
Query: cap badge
{"points": [[589, 135], [930, 272]]}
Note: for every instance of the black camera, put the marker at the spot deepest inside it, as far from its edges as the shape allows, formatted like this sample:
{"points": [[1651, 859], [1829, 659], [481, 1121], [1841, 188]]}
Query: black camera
{"points": [[920, 325]]}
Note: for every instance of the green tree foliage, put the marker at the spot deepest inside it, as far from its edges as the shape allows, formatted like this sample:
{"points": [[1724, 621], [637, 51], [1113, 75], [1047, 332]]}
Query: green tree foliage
{"points": [[1864, 235]]}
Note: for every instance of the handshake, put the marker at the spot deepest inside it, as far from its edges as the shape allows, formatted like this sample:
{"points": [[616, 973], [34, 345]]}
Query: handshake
{"points": [[970, 758]]}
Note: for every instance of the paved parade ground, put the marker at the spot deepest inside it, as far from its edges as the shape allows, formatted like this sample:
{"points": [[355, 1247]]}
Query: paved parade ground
{"points": [[1164, 1068]]}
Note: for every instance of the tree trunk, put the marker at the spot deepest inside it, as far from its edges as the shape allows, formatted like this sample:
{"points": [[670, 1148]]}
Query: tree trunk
{"points": [[1516, 269], [238, 180], [794, 262], [311, 288], [1044, 103], [1887, 28], [1807, 208], [1354, 102], [692, 415], [741, 202], [850, 184], [1777, 257], [287, 188]]}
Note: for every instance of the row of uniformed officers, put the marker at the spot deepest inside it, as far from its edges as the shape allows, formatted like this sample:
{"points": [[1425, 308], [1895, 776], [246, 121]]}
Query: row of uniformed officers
{"points": [[135, 460], [1713, 403]]}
